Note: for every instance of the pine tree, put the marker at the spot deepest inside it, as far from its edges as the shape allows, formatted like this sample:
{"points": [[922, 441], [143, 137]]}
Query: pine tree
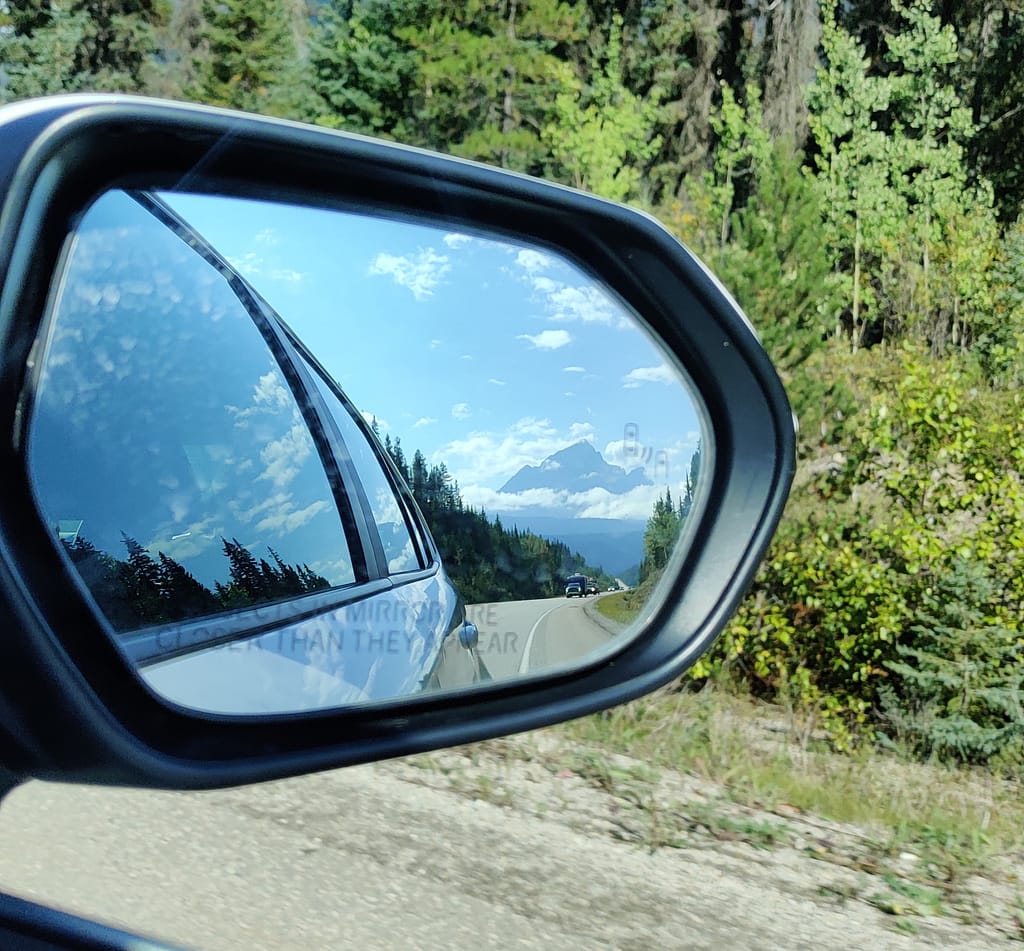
{"points": [[248, 54], [961, 675], [102, 45]]}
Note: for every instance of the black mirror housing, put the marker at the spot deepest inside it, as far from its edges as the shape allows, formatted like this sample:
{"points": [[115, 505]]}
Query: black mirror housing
{"points": [[70, 706]]}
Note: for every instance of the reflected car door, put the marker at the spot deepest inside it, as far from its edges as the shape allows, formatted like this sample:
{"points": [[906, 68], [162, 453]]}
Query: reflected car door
{"points": [[228, 511]]}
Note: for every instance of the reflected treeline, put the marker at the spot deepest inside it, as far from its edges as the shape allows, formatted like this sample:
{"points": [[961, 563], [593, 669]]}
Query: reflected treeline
{"points": [[141, 590], [486, 561]]}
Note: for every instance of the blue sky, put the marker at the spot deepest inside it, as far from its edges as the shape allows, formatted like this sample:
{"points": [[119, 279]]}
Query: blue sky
{"points": [[484, 354]]}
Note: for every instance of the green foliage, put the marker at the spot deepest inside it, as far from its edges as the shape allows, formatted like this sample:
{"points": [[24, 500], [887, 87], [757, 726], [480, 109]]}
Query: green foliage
{"points": [[601, 135], [958, 692], [476, 79], [76, 45], [363, 77], [664, 526], [247, 49], [929, 481], [660, 536]]}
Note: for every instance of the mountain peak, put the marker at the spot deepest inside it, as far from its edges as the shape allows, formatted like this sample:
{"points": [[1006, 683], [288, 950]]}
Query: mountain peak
{"points": [[576, 468]]}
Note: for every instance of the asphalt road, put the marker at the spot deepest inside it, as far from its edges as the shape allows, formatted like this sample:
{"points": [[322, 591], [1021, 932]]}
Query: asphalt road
{"points": [[519, 637]]}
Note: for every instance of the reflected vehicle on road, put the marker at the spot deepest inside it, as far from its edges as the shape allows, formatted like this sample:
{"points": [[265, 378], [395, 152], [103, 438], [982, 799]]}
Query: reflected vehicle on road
{"points": [[235, 522], [575, 586]]}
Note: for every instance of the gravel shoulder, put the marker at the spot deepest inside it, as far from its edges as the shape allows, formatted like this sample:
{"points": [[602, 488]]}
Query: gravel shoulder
{"points": [[516, 843]]}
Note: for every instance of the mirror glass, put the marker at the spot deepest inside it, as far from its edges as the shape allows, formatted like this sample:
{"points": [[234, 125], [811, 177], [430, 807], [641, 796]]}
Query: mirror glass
{"points": [[303, 458]]}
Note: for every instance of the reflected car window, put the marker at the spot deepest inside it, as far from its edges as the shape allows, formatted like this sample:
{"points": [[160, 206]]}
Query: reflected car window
{"points": [[166, 449], [399, 550]]}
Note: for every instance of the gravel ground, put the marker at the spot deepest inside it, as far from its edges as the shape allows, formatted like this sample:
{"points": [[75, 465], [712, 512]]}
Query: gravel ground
{"points": [[492, 846]]}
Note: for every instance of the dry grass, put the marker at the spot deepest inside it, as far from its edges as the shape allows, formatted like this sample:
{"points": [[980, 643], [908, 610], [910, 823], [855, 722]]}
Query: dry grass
{"points": [[957, 823]]}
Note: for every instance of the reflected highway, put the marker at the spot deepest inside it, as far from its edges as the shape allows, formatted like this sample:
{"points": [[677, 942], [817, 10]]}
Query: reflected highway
{"points": [[517, 637]]}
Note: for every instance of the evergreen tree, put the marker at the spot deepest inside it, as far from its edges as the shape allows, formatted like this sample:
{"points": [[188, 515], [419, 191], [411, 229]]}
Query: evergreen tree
{"points": [[363, 76], [248, 54], [659, 537], [960, 674], [183, 596], [140, 576], [102, 45]]}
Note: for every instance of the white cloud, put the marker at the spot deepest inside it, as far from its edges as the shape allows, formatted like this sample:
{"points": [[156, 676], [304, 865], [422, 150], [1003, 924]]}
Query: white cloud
{"points": [[532, 261], [663, 465], [456, 240], [271, 392], [594, 503], [578, 300], [496, 382], [287, 518], [434, 344], [573, 370], [548, 339], [253, 265], [496, 456], [283, 458], [578, 431], [587, 304], [420, 273], [460, 411], [658, 374], [424, 421], [287, 275]]}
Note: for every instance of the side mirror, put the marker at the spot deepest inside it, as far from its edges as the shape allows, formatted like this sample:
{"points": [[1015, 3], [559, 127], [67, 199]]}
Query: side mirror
{"points": [[214, 557]]}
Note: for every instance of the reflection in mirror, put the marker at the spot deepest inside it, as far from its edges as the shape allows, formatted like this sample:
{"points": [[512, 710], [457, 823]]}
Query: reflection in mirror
{"points": [[300, 459]]}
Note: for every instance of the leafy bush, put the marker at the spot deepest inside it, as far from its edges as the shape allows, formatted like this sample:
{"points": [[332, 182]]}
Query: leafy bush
{"points": [[866, 592]]}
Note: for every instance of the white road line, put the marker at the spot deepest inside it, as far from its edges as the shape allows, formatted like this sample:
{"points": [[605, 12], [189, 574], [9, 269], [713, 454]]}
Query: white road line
{"points": [[524, 664]]}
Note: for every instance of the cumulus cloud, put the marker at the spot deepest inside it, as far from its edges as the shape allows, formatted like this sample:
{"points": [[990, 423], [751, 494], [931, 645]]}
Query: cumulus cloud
{"points": [[659, 374], [585, 303], [420, 272], [548, 339], [286, 518], [663, 465], [283, 458], [594, 503], [424, 421], [573, 370], [569, 298], [496, 382], [532, 261], [456, 240], [460, 411], [485, 456]]}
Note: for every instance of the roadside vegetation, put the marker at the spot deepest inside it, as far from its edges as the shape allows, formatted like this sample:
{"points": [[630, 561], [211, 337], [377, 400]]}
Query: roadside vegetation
{"points": [[685, 769], [851, 171], [926, 836]]}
